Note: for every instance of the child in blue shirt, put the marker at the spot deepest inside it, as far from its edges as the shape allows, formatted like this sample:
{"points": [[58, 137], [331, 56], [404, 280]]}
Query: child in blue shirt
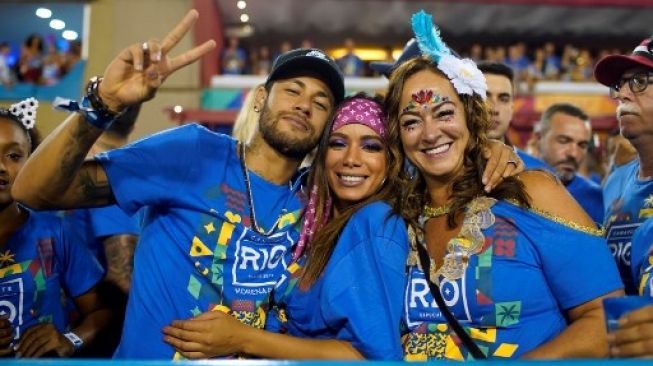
{"points": [[40, 267]]}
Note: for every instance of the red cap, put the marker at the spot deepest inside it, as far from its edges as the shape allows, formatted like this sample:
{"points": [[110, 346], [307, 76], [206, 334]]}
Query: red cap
{"points": [[610, 69]]}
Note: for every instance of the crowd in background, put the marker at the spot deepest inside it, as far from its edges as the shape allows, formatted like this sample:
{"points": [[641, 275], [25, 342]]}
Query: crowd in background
{"points": [[44, 61], [37, 60], [531, 63]]}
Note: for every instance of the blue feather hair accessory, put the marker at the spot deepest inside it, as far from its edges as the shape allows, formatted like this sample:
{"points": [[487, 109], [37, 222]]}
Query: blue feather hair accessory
{"points": [[428, 37], [463, 73]]}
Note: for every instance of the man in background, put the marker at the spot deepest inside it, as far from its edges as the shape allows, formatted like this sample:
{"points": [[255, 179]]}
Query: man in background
{"points": [[628, 191], [500, 98], [563, 137]]}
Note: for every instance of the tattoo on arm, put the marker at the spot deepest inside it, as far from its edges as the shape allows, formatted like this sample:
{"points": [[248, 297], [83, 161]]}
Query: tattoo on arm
{"points": [[69, 162], [119, 252], [94, 186], [83, 137], [91, 186]]}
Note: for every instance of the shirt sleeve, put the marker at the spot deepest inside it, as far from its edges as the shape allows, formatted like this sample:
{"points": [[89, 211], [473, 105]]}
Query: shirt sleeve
{"points": [[146, 172], [81, 270], [112, 220], [577, 265], [365, 287]]}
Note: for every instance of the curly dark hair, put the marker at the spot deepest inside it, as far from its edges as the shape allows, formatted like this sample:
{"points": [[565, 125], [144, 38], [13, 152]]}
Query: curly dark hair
{"points": [[468, 185]]}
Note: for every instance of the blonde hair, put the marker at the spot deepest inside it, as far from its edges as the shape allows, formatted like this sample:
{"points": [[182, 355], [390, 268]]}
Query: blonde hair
{"points": [[246, 123]]}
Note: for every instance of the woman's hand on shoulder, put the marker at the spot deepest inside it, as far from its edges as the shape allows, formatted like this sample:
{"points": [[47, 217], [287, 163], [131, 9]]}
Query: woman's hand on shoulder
{"points": [[548, 194]]}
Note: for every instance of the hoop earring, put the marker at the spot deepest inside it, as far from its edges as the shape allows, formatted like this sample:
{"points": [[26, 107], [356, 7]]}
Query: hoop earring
{"points": [[256, 109]]}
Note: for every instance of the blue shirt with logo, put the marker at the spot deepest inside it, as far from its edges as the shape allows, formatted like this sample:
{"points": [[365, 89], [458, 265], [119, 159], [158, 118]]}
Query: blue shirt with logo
{"points": [[358, 297], [40, 269], [628, 202], [197, 251], [516, 291], [589, 195], [642, 258]]}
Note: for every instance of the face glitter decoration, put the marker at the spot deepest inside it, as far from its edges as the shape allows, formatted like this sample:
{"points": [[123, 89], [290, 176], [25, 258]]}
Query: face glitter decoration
{"points": [[426, 99]]}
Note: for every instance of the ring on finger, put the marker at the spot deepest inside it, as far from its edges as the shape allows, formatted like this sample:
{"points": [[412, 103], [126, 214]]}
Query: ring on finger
{"points": [[512, 162]]}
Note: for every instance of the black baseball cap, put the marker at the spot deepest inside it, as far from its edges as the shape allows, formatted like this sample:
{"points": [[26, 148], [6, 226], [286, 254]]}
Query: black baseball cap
{"points": [[609, 70], [314, 62]]}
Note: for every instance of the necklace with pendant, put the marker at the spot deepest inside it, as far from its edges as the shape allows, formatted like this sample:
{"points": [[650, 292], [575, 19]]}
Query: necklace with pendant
{"points": [[468, 242], [250, 197]]}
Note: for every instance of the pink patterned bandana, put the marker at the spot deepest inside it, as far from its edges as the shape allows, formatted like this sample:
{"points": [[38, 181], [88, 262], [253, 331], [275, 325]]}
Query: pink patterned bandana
{"points": [[361, 111], [352, 111]]}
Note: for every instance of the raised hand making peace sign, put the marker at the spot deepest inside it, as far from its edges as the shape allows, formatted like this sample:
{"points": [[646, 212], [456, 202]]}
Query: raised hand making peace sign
{"points": [[139, 70]]}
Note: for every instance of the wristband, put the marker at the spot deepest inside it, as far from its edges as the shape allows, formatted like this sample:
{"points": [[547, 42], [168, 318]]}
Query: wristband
{"points": [[74, 339], [93, 95], [91, 106]]}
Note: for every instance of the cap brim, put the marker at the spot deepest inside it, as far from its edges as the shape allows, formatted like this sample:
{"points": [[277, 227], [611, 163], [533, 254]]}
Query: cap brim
{"points": [[610, 69], [320, 67], [382, 68]]}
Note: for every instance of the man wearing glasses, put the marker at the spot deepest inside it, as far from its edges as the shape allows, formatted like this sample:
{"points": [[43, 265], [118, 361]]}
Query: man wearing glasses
{"points": [[628, 191]]}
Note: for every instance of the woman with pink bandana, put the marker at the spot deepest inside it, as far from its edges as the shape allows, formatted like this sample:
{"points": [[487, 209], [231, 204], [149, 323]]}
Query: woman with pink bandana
{"points": [[342, 298]]}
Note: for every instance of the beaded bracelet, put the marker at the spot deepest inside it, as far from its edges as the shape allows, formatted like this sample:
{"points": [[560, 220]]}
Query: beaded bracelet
{"points": [[93, 94]]}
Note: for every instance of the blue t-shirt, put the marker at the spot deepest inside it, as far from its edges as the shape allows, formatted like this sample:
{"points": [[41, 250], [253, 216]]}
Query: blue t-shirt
{"points": [[628, 202], [515, 293], [40, 268], [589, 195], [642, 258], [358, 297], [93, 225], [531, 162], [196, 250]]}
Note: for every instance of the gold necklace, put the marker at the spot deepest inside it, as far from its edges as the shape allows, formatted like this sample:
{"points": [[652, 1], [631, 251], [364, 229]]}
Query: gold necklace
{"points": [[432, 212]]}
